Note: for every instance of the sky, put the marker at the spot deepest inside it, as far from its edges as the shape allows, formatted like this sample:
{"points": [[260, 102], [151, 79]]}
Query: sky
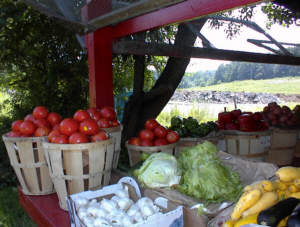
{"points": [[219, 40]]}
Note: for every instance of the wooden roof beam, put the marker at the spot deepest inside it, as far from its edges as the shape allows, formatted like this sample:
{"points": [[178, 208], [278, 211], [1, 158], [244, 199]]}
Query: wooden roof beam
{"points": [[141, 48]]}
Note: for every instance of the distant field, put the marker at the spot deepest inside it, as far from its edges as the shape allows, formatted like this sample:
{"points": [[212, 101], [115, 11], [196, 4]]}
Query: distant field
{"points": [[285, 85]]}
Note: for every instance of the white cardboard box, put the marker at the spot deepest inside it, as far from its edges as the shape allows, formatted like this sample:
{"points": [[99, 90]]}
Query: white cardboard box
{"points": [[170, 218]]}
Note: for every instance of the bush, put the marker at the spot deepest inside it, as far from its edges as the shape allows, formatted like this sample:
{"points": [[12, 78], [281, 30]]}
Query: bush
{"points": [[164, 118], [7, 175]]}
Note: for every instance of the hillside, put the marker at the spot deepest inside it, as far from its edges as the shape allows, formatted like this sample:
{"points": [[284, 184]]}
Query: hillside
{"points": [[283, 85]]}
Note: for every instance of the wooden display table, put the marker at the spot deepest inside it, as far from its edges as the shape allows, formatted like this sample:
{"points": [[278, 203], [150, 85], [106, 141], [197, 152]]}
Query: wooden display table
{"points": [[44, 210]]}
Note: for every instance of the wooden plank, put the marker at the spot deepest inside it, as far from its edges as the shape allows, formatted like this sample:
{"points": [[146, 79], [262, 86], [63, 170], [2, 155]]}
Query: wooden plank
{"points": [[108, 162], [56, 169], [96, 165], [140, 48], [135, 9], [13, 160], [44, 210], [25, 151], [45, 179], [73, 165]]}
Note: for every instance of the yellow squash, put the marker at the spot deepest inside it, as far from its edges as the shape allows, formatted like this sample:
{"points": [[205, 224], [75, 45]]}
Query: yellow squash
{"points": [[247, 200], [283, 222], [267, 200], [252, 219], [295, 195], [288, 173], [228, 223]]}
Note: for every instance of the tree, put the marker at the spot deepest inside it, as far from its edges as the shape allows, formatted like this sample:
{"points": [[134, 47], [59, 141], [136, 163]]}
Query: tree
{"points": [[41, 62]]}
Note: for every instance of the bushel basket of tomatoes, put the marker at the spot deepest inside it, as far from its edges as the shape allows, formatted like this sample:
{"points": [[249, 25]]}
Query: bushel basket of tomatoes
{"points": [[153, 138], [24, 146]]}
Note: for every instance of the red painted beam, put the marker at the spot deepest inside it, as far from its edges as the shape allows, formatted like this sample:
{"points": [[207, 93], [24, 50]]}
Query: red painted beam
{"points": [[44, 210], [186, 10], [99, 46]]}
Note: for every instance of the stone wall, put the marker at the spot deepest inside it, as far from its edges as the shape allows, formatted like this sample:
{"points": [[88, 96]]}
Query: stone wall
{"points": [[228, 97]]}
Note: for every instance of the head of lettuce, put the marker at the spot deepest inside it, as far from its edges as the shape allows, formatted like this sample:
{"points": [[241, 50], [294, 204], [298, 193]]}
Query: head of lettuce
{"points": [[205, 176], [159, 170]]}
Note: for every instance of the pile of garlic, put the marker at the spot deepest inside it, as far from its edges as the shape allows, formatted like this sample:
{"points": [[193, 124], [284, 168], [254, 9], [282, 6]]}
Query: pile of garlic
{"points": [[119, 211]]}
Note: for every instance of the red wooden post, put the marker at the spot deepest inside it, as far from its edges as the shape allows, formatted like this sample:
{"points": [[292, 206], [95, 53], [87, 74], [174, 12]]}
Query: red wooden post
{"points": [[100, 58]]}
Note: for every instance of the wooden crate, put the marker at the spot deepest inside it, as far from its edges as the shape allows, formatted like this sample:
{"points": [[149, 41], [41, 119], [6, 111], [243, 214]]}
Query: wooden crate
{"points": [[79, 167], [116, 133], [251, 145], [283, 146], [26, 156], [135, 152]]}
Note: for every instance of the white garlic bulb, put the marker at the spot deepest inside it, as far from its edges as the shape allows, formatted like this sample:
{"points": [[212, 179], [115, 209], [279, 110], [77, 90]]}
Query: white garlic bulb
{"points": [[108, 205], [133, 210], [80, 201], [147, 211], [124, 203], [100, 222]]}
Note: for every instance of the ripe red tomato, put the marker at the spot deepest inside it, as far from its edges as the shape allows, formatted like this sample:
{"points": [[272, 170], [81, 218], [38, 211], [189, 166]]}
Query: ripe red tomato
{"points": [[160, 132], [96, 116], [61, 139], [151, 124], [68, 126], [42, 122], [13, 134], [100, 136], [40, 112], [92, 110], [78, 137], [135, 141], [172, 137], [52, 134], [108, 112], [81, 115], [104, 123], [55, 127], [115, 123], [54, 118], [146, 134], [41, 131], [15, 126], [146, 143], [29, 117], [160, 142], [89, 127], [27, 128]]}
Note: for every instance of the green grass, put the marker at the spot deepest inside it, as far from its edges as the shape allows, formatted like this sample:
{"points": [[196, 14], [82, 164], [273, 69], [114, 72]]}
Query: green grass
{"points": [[285, 85], [11, 213]]}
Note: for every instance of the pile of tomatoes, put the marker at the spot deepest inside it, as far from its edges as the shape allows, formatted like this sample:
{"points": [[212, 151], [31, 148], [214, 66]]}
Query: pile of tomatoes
{"points": [[85, 126], [154, 134]]}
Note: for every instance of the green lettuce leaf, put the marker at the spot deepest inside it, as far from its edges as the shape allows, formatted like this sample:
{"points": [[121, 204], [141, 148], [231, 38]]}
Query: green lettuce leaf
{"points": [[205, 176]]}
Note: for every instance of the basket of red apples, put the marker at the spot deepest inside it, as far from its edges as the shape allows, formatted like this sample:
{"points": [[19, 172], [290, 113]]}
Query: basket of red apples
{"points": [[153, 138]]}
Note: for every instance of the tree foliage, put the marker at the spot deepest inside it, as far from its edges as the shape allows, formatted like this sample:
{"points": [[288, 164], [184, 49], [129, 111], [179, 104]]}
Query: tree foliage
{"points": [[41, 62]]}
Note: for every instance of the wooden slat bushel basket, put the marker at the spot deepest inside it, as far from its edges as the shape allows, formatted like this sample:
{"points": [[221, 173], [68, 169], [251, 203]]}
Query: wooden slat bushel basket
{"points": [[79, 167], [135, 152], [115, 132], [26, 156]]}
